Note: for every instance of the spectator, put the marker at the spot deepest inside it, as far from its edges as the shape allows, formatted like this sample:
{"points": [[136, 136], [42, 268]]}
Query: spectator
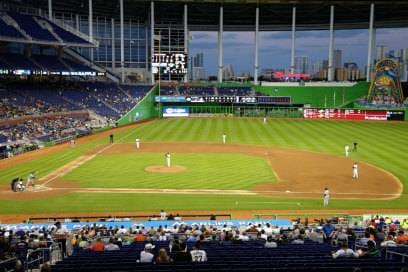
{"points": [[198, 255], [163, 256], [328, 231], [182, 256], [371, 251], [270, 243], [111, 246], [98, 245], [402, 238], [146, 255], [344, 251]]}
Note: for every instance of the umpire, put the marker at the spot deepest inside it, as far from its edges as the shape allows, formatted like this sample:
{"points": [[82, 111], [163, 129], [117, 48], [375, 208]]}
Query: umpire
{"points": [[13, 184]]}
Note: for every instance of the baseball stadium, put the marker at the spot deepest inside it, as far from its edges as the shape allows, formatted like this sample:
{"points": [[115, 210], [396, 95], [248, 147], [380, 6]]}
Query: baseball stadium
{"points": [[116, 156]]}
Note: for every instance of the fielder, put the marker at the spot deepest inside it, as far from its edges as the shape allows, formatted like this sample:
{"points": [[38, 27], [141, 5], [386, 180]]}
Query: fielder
{"points": [[224, 138], [355, 170], [168, 159], [137, 143], [264, 120], [347, 149], [326, 197]]}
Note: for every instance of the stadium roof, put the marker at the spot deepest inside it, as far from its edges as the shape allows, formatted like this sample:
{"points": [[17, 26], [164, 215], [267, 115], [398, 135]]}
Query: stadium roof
{"points": [[239, 15]]}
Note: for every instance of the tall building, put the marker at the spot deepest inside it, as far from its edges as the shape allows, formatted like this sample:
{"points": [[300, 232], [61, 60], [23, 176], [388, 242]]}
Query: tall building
{"points": [[227, 72], [197, 70], [302, 65], [380, 53], [325, 64], [337, 59]]}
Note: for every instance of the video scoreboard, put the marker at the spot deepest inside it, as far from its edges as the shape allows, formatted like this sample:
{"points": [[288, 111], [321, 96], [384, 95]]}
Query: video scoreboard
{"points": [[169, 63]]}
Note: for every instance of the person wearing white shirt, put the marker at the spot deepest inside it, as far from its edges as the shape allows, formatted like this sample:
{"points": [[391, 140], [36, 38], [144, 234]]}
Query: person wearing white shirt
{"points": [[344, 251], [146, 256], [198, 255]]}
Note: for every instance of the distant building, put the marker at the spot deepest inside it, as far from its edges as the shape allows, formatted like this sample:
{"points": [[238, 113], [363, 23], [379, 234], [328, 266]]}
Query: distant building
{"points": [[325, 64], [381, 52], [197, 70], [302, 65], [227, 72], [337, 59]]}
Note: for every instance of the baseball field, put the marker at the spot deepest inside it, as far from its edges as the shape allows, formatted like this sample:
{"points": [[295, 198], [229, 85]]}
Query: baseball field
{"points": [[284, 164]]}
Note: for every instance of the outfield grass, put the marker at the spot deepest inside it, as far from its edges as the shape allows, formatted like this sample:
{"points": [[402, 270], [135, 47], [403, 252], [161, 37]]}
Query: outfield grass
{"points": [[383, 144], [203, 171]]}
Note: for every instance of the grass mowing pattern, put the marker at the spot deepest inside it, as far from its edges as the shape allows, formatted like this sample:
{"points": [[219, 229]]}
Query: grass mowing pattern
{"points": [[204, 171], [380, 143]]}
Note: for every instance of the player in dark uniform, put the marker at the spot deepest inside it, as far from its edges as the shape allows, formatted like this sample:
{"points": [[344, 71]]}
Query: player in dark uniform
{"points": [[355, 146], [111, 138]]}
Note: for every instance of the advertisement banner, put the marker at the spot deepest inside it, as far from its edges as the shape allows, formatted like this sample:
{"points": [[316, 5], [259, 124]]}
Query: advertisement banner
{"points": [[155, 224], [175, 112], [169, 99], [353, 114]]}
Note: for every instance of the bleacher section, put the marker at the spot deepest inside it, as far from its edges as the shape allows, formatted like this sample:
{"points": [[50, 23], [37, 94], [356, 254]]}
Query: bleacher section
{"points": [[41, 63], [229, 256], [36, 29]]}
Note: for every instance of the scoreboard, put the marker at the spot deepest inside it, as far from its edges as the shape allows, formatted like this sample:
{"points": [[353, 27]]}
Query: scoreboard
{"points": [[169, 63], [353, 114]]}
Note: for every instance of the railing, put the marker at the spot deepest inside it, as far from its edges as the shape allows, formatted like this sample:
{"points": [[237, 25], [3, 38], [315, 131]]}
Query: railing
{"points": [[35, 258], [8, 265], [390, 253], [106, 218]]}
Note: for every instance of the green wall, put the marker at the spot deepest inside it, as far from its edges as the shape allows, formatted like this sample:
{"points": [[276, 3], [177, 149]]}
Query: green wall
{"points": [[143, 110], [316, 95]]}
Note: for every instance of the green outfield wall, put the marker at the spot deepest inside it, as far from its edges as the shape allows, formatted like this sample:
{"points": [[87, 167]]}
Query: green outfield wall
{"points": [[143, 110], [321, 97]]}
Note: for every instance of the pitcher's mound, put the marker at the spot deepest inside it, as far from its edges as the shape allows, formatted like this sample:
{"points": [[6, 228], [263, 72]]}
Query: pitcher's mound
{"points": [[165, 169]]}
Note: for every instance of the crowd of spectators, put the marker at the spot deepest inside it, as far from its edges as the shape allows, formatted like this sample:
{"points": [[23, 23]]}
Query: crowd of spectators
{"points": [[184, 242], [21, 98]]}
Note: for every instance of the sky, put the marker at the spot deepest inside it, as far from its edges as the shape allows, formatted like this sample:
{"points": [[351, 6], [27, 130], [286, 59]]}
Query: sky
{"points": [[275, 47]]}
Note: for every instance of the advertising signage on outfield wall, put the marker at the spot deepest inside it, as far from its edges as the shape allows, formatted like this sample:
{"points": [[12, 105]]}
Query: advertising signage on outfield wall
{"points": [[353, 114], [271, 100], [175, 112], [284, 223]]}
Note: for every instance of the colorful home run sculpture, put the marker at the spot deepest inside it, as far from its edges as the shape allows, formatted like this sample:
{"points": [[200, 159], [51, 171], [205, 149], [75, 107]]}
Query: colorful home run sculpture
{"points": [[386, 86]]}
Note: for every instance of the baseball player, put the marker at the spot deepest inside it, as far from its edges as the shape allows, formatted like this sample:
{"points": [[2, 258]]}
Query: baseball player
{"points": [[137, 143], [355, 170], [347, 149], [326, 197], [168, 159], [30, 179], [264, 120], [224, 138]]}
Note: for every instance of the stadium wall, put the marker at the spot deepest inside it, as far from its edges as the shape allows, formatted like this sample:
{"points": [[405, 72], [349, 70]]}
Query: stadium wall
{"points": [[143, 110], [329, 97]]}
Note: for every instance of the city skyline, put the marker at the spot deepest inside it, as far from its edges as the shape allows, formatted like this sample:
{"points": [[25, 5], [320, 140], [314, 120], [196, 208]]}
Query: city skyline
{"points": [[274, 49]]}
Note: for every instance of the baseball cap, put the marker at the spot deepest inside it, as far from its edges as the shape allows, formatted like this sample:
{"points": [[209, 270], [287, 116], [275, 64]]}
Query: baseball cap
{"points": [[149, 246]]}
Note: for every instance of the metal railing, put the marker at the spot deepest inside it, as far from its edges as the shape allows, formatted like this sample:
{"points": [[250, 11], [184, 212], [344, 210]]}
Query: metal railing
{"points": [[389, 254], [8, 265]]}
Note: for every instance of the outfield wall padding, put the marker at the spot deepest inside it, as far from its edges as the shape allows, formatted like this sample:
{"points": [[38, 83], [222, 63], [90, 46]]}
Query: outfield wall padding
{"points": [[143, 110]]}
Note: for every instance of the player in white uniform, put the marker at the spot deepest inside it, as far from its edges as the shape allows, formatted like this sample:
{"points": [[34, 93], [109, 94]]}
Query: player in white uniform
{"points": [[355, 170], [168, 159], [30, 179], [264, 120], [326, 197], [137, 143], [347, 149], [224, 138]]}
